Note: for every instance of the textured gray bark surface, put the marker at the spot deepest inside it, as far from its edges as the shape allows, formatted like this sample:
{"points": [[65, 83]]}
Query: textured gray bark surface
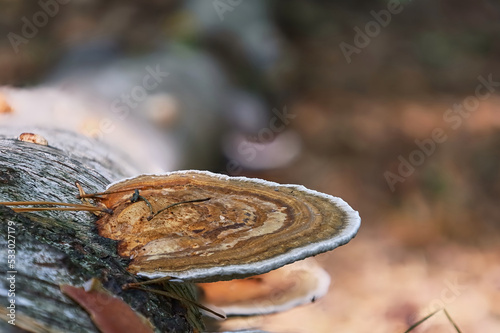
{"points": [[54, 248]]}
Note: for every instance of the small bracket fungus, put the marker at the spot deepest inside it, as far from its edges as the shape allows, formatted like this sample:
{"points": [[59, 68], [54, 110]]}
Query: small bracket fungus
{"points": [[281, 289], [218, 227], [4, 105], [33, 138]]}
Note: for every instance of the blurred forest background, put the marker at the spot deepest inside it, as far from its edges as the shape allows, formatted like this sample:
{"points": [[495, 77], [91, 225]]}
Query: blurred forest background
{"points": [[266, 89]]}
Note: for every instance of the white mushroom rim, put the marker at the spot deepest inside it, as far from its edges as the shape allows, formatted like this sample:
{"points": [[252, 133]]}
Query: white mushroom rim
{"points": [[350, 226]]}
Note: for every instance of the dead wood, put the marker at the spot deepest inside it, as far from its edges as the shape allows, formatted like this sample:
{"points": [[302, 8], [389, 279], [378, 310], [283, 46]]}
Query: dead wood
{"points": [[54, 248]]}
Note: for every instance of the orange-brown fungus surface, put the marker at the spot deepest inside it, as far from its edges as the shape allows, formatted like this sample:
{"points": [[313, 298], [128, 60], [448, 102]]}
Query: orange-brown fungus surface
{"points": [[283, 288], [4, 105], [33, 138], [246, 227]]}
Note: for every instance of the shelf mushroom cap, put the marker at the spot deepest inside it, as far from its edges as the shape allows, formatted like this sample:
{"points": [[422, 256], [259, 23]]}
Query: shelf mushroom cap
{"points": [[247, 227], [292, 285]]}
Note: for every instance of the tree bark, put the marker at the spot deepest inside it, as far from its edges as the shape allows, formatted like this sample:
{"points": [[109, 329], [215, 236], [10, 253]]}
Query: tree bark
{"points": [[59, 247]]}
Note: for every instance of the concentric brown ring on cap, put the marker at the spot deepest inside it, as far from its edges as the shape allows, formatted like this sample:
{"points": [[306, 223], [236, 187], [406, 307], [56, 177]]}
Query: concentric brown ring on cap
{"points": [[248, 227]]}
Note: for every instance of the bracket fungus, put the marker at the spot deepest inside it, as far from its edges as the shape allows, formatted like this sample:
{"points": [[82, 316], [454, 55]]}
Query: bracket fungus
{"points": [[281, 289], [33, 138], [201, 226]]}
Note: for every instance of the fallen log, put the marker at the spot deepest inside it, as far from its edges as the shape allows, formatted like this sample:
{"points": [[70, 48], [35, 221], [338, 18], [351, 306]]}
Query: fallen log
{"points": [[54, 248]]}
